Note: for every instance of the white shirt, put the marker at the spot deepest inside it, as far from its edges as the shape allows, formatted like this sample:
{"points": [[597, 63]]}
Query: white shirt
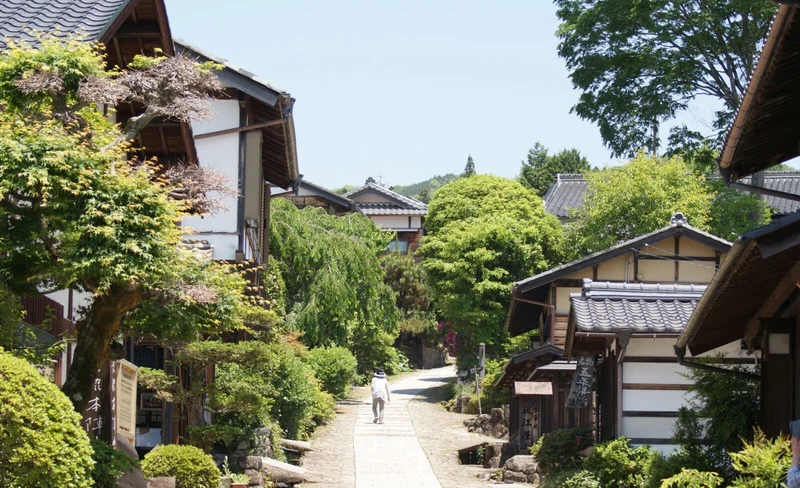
{"points": [[380, 388]]}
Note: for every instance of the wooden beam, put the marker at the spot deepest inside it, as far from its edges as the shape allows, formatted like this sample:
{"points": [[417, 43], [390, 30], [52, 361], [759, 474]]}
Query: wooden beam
{"points": [[645, 413], [677, 253], [236, 130], [145, 31], [120, 59], [779, 295], [163, 140]]}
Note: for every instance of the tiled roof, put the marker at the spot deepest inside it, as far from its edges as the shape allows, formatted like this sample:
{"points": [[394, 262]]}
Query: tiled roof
{"points": [[401, 201], [234, 75], [569, 190], [565, 194], [20, 19], [638, 307], [385, 208]]}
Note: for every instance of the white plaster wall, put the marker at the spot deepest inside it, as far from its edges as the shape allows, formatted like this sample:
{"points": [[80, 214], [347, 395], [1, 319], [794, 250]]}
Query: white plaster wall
{"points": [[563, 303], [663, 347], [654, 400], [665, 449], [655, 373], [648, 427], [416, 222], [79, 299], [371, 197], [222, 154], [392, 221]]}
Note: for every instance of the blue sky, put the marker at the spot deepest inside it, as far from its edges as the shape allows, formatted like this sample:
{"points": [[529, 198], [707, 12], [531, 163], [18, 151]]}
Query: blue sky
{"points": [[404, 90]]}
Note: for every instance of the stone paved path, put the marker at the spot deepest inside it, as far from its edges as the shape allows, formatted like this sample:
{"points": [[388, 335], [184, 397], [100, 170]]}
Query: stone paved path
{"points": [[415, 447]]}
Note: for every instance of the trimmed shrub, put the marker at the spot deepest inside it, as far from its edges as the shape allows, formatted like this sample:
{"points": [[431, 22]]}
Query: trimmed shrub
{"points": [[41, 441], [109, 465], [582, 479], [561, 450], [191, 467], [617, 464], [334, 367]]}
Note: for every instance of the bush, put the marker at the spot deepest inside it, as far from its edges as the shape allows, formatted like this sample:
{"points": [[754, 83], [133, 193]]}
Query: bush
{"points": [[582, 479], [762, 463], [561, 450], [692, 478], [191, 467], [617, 464], [109, 464], [299, 398], [334, 367], [41, 441]]}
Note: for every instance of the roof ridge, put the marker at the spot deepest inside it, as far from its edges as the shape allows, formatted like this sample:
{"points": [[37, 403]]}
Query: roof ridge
{"points": [[416, 204]]}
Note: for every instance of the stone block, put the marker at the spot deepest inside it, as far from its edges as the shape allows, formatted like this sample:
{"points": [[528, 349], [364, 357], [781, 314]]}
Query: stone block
{"points": [[256, 478], [132, 479], [225, 482], [162, 482], [521, 464], [253, 462], [496, 416], [533, 478], [514, 477]]}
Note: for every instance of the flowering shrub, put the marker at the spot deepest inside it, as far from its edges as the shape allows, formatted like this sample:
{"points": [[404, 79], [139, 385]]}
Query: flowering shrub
{"points": [[449, 338]]}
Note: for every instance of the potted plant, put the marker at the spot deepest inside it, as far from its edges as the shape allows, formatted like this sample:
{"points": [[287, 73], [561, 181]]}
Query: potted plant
{"points": [[237, 480], [240, 480]]}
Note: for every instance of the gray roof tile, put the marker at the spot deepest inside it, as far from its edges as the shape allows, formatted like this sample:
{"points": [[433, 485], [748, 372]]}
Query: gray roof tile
{"points": [[401, 201], [20, 19], [569, 190], [383, 208], [611, 307]]}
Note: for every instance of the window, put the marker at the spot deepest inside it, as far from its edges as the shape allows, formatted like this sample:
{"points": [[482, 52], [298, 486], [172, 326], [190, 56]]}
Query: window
{"points": [[398, 245]]}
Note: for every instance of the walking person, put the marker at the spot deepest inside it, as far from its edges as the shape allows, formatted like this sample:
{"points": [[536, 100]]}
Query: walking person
{"points": [[793, 477], [380, 395]]}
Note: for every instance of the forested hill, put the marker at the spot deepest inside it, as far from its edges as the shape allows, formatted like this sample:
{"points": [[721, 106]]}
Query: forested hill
{"points": [[432, 184], [413, 190]]}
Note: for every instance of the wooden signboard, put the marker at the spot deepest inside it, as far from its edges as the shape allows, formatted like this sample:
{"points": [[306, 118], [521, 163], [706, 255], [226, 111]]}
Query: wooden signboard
{"points": [[124, 401], [580, 394], [533, 388]]}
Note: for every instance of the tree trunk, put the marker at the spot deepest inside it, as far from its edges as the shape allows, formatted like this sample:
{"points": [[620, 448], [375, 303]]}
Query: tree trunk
{"points": [[95, 334]]}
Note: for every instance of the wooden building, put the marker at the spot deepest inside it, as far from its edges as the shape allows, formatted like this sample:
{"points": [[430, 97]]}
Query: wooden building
{"points": [[755, 297], [394, 212], [250, 137], [307, 194], [582, 307]]}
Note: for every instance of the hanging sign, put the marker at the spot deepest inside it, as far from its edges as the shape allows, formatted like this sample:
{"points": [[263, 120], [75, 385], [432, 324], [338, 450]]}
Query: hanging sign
{"points": [[580, 394]]}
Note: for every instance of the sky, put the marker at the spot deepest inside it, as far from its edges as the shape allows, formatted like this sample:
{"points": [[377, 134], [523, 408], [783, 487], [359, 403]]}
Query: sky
{"points": [[404, 90]]}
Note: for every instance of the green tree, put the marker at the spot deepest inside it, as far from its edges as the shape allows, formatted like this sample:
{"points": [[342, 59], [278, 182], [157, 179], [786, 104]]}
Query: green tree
{"points": [[484, 233], [638, 64], [336, 295], [540, 170], [469, 169], [641, 196], [79, 209], [734, 212]]}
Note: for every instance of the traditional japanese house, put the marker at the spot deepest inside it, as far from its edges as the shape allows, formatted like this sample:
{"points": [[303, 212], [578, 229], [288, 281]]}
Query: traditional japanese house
{"points": [[676, 259], [629, 329], [250, 138], [308, 194], [392, 211], [566, 194], [755, 297]]}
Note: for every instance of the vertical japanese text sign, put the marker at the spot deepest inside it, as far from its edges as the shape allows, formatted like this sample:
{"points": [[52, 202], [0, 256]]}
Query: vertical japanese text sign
{"points": [[112, 406], [580, 394]]}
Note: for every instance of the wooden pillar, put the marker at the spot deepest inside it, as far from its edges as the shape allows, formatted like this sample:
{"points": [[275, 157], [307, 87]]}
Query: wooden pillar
{"points": [[778, 376]]}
